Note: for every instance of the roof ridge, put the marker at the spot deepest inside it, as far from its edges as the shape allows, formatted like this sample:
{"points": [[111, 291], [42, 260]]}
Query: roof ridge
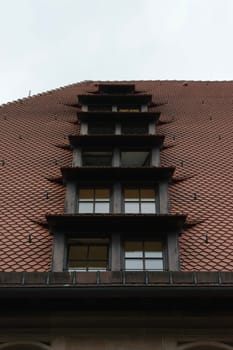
{"points": [[47, 92], [107, 81]]}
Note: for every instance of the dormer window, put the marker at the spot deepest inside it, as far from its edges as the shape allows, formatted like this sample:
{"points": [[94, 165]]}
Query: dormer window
{"points": [[92, 158], [141, 255], [101, 108], [135, 158], [93, 200], [128, 109], [134, 128], [88, 254], [117, 139], [101, 128], [130, 127], [140, 201]]}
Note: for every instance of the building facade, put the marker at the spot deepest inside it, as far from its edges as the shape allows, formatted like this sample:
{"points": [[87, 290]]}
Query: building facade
{"points": [[116, 217]]}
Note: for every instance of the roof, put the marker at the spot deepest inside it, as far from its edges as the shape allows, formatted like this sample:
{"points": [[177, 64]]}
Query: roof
{"points": [[196, 120]]}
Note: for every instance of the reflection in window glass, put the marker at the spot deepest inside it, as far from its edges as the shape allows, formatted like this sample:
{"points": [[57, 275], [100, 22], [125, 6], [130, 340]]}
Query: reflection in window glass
{"points": [[133, 264], [140, 200], [97, 158], [135, 159], [143, 255], [133, 249], [94, 200]]}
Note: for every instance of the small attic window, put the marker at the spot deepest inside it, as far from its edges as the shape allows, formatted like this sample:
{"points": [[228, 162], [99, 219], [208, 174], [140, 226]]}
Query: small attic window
{"points": [[116, 89], [101, 127]]}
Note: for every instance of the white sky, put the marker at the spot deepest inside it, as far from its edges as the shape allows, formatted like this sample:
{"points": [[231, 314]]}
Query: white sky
{"points": [[46, 44]]}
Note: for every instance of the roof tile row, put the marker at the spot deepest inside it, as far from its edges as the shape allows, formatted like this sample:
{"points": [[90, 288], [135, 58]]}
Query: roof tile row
{"points": [[196, 119]]}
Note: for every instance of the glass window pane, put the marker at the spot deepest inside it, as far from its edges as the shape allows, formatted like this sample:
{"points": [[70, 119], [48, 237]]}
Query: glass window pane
{"points": [[78, 252], [97, 265], [98, 252], [134, 159], [147, 194], [133, 249], [134, 128], [153, 249], [131, 194], [148, 208], [78, 265], [102, 194], [101, 128], [131, 208], [133, 264], [154, 264], [97, 158], [85, 207], [86, 194], [102, 207]]}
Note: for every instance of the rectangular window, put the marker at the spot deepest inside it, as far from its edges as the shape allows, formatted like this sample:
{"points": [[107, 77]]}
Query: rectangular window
{"points": [[143, 255], [135, 159], [129, 109], [96, 158], [101, 128], [88, 254], [100, 108], [93, 200], [134, 128], [108, 127], [140, 201]]}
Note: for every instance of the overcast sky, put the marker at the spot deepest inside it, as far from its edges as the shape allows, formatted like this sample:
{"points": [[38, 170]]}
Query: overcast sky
{"points": [[46, 44]]}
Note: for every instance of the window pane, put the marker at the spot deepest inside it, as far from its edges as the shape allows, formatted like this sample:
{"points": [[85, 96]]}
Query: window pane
{"points": [[78, 265], [97, 158], [98, 252], [78, 252], [153, 249], [131, 207], [102, 194], [147, 194], [86, 194], [131, 194], [133, 249], [85, 207], [148, 208], [133, 264], [134, 159], [154, 264], [134, 128], [101, 207], [97, 265], [104, 128]]}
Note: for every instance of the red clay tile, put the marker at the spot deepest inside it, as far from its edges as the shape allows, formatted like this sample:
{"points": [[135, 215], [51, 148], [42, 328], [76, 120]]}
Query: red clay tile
{"points": [[198, 127]]}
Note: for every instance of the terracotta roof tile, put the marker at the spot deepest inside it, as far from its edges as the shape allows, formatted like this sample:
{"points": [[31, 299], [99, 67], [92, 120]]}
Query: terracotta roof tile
{"points": [[196, 119]]}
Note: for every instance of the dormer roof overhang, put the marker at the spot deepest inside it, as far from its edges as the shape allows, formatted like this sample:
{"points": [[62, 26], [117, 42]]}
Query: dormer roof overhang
{"points": [[87, 174], [128, 224], [129, 141], [118, 116], [118, 99]]}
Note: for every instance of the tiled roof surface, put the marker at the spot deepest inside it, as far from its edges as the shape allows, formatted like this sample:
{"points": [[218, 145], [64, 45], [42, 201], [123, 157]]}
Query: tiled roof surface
{"points": [[197, 123]]}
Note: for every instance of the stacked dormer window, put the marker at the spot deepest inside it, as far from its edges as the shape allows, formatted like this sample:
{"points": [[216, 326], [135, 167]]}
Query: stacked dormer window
{"points": [[116, 215]]}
